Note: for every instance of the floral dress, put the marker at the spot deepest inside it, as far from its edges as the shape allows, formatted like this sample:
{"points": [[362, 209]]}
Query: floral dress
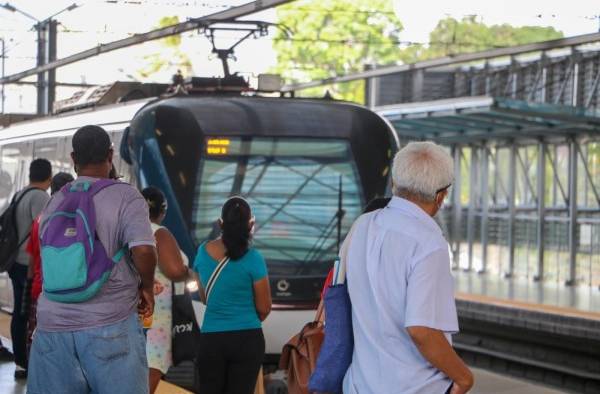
{"points": [[158, 346]]}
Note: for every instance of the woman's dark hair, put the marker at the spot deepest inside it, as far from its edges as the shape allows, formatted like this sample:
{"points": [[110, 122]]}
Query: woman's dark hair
{"points": [[157, 203], [59, 180], [236, 215]]}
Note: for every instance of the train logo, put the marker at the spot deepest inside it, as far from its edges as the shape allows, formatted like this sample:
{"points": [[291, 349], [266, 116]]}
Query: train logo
{"points": [[283, 285]]}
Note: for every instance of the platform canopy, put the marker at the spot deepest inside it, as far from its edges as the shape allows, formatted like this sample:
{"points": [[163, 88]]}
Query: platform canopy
{"points": [[467, 120]]}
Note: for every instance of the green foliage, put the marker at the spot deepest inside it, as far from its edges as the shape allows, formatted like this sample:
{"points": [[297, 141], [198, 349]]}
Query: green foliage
{"points": [[170, 58], [335, 37], [172, 41], [451, 37], [338, 37]]}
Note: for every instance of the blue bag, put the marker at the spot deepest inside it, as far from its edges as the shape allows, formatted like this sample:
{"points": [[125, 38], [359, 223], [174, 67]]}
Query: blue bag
{"points": [[336, 351]]}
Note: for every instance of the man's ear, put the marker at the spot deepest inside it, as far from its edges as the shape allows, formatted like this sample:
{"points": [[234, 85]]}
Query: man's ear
{"points": [[220, 221], [439, 198], [110, 155]]}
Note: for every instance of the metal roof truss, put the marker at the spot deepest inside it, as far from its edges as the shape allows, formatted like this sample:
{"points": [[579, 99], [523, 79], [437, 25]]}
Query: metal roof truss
{"points": [[474, 120]]}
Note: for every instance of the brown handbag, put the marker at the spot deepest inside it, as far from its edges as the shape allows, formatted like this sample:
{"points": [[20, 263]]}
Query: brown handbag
{"points": [[299, 354]]}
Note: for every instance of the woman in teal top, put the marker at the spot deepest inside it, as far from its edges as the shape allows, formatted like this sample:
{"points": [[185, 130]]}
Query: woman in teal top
{"points": [[232, 344]]}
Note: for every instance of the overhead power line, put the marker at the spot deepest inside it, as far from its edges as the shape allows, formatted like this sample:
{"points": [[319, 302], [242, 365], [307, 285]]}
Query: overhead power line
{"points": [[229, 14]]}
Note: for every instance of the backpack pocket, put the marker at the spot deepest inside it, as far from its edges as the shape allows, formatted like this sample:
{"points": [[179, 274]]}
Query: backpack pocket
{"points": [[64, 268]]}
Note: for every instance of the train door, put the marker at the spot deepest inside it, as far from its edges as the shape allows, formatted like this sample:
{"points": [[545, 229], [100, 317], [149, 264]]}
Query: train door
{"points": [[15, 175]]}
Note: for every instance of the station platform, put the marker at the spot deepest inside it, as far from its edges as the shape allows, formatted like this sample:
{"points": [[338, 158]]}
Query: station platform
{"points": [[544, 332], [485, 382], [550, 297]]}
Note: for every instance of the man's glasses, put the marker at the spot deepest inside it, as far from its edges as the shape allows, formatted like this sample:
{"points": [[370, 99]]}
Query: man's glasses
{"points": [[443, 189]]}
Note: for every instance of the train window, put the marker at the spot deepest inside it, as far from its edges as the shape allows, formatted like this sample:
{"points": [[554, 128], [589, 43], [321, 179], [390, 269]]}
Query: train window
{"points": [[116, 140], [14, 171], [293, 187], [63, 156], [25, 158], [8, 171], [123, 169], [47, 148]]}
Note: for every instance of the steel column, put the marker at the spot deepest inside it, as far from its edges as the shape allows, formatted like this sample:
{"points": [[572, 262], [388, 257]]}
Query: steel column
{"points": [[371, 89], [485, 158], [512, 174], [2, 96], [456, 206], [541, 209], [50, 91], [472, 204], [40, 28], [572, 280]]}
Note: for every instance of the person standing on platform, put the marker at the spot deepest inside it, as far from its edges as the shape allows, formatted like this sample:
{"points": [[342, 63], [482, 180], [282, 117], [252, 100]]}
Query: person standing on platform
{"points": [[97, 345], [29, 207], [172, 266], [401, 288], [235, 288], [34, 275]]}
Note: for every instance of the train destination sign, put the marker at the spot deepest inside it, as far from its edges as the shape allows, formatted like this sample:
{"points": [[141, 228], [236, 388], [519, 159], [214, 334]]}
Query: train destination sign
{"points": [[217, 146]]}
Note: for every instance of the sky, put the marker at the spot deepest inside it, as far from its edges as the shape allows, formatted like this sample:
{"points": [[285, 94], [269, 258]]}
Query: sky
{"points": [[102, 21]]}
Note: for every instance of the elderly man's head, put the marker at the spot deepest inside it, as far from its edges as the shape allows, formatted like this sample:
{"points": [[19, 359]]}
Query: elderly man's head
{"points": [[422, 173]]}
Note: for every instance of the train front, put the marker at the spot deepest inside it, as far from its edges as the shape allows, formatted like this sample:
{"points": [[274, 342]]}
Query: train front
{"points": [[307, 167]]}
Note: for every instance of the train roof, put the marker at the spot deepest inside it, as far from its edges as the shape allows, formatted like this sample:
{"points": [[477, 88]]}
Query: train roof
{"points": [[268, 116], [112, 117]]}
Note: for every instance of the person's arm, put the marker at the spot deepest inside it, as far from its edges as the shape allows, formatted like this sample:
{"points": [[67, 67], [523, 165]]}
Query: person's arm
{"points": [[261, 286], [262, 298], [434, 346], [170, 262], [135, 232], [144, 259], [431, 313]]}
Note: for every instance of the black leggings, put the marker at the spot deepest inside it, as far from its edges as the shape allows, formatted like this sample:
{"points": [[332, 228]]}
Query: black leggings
{"points": [[228, 362]]}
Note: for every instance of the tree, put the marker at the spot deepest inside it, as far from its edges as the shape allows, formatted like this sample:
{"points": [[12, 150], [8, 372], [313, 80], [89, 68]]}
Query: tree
{"points": [[335, 37], [338, 37], [451, 37], [169, 58]]}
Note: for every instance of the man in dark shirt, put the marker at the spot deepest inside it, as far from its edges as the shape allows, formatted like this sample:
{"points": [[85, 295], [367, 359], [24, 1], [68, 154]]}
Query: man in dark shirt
{"points": [[30, 206]]}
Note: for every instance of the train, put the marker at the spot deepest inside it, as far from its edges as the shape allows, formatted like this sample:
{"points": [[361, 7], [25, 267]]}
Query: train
{"points": [[307, 167]]}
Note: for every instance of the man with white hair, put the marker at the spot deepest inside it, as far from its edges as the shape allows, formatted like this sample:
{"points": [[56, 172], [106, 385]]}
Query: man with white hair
{"points": [[401, 288]]}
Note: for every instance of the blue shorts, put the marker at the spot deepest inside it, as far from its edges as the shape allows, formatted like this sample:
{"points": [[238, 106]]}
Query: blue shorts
{"points": [[109, 359]]}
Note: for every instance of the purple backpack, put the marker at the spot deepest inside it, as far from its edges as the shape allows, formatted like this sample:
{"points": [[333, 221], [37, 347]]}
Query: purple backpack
{"points": [[75, 264]]}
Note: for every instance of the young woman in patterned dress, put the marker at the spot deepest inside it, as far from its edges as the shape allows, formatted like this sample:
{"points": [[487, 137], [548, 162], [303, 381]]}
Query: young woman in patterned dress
{"points": [[172, 267]]}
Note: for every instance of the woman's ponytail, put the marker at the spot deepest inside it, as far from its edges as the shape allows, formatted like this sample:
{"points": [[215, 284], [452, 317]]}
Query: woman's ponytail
{"points": [[235, 217]]}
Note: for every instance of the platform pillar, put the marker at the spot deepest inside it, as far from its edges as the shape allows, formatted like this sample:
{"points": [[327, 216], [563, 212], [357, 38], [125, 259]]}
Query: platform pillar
{"points": [[512, 175], [541, 209], [572, 279], [485, 203]]}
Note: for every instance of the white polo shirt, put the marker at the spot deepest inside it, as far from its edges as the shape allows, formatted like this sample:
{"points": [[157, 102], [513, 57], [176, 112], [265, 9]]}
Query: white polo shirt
{"points": [[398, 275]]}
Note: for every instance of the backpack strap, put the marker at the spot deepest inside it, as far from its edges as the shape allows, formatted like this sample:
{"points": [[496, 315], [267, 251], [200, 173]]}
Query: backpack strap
{"points": [[214, 276], [16, 201]]}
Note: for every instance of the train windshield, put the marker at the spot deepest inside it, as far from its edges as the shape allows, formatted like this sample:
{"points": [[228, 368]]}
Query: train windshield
{"points": [[296, 188]]}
